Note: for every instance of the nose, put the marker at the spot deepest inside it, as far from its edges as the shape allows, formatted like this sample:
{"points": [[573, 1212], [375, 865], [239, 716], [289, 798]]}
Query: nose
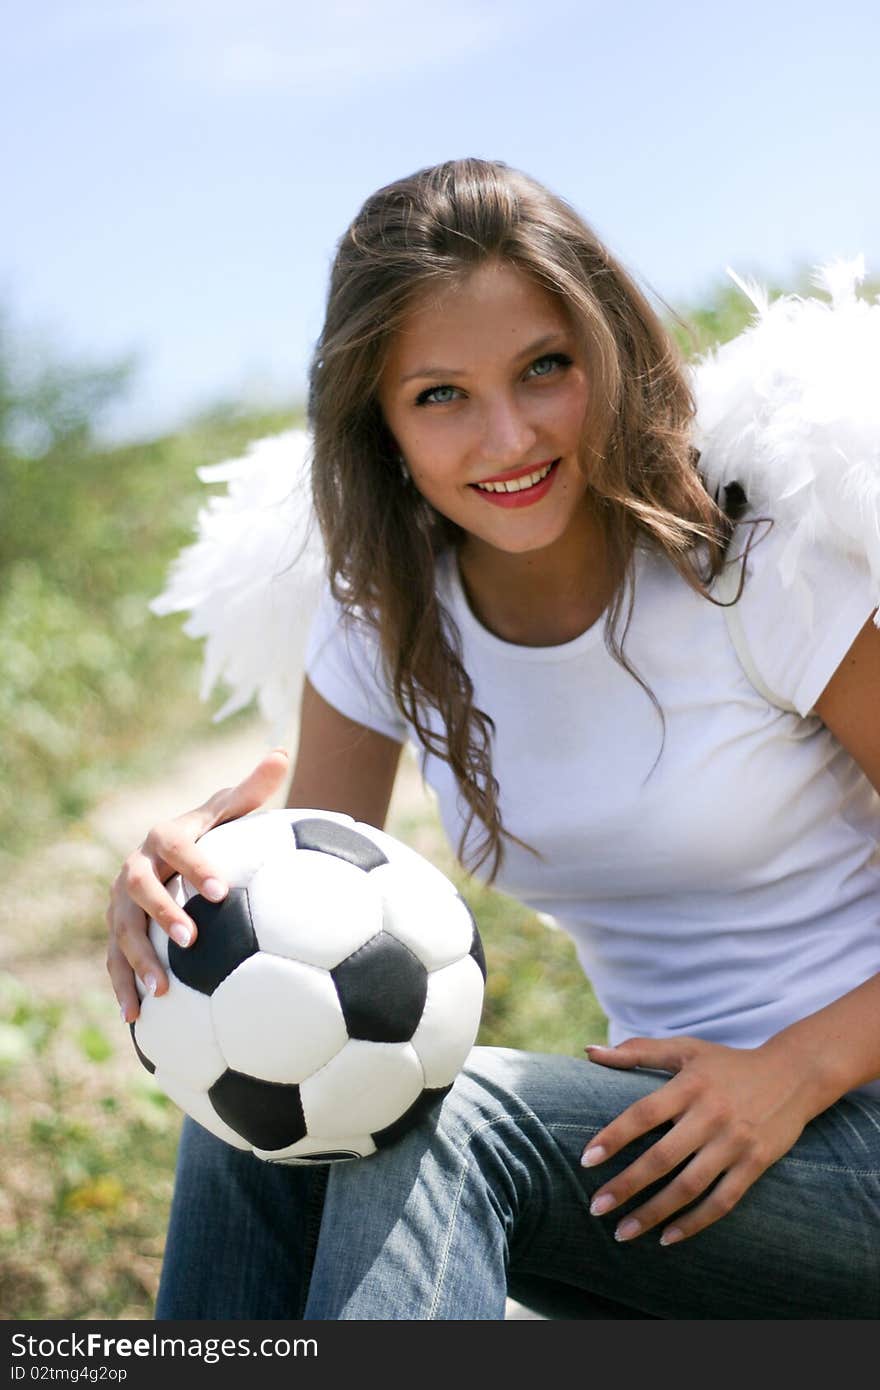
{"points": [[508, 437]]}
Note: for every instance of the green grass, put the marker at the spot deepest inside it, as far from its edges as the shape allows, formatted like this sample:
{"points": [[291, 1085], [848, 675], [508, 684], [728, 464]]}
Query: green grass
{"points": [[536, 995], [88, 1144]]}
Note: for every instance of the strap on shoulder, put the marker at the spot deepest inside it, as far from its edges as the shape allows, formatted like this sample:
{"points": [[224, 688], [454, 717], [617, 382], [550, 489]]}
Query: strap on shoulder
{"points": [[725, 588]]}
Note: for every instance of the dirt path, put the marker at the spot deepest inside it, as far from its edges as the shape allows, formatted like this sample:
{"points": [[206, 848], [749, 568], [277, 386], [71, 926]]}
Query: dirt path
{"points": [[58, 889]]}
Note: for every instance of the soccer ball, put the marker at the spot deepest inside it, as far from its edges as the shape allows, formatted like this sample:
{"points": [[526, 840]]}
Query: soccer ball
{"points": [[328, 1001]]}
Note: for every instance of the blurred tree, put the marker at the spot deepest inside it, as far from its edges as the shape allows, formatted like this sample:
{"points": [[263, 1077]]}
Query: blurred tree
{"points": [[46, 402]]}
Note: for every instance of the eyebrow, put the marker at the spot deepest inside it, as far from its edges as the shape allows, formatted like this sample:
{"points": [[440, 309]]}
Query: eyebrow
{"points": [[558, 336]]}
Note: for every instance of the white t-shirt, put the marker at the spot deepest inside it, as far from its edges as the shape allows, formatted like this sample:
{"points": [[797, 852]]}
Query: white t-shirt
{"points": [[724, 889]]}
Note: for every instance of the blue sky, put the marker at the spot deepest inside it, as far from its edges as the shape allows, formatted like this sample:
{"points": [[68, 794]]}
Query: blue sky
{"points": [[179, 171]]}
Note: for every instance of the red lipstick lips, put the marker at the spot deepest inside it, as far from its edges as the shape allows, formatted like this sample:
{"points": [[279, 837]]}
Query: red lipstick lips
{"points": [[512, 473], [525, 496]]}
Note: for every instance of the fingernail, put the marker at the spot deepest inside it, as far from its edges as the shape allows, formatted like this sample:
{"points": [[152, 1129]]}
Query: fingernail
{"points": [[671, 1235], [590, 1157], [181, 933], [122, 1014], [600, 1205], [627, 1229], [151, 983], [213, 890]]}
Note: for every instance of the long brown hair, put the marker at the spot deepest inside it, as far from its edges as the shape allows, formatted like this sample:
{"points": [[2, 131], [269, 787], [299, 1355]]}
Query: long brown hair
{"points": [[382, 537]]}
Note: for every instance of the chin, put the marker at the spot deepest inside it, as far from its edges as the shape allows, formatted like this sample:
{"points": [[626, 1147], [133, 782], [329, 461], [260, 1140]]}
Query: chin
{"points": [[524, 544]]}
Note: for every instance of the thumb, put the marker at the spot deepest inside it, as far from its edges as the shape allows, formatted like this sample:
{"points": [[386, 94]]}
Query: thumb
{"points": [[664, 1054], [252, 791]]}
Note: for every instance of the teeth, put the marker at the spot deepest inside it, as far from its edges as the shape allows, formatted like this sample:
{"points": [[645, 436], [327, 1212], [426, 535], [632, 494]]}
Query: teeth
{"points": [[517, 484]]}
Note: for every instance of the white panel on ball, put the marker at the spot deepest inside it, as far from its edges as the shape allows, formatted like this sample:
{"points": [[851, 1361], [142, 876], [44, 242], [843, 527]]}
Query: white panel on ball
{"points": [[438, 929], [238, 848], [198, 1105], [258, 1030], [456, 990], [365, 1088], [335, 911], [175, 1032], [398, 853]]}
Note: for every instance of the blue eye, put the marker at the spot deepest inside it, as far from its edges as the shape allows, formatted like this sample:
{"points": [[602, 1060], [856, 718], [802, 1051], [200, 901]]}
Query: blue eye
{"points": [[424, 397], [555, 359]]}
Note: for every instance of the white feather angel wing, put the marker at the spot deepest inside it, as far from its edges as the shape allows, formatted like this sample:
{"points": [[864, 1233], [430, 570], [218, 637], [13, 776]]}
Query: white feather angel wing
{"points": [[252, 579], [790, 409]]}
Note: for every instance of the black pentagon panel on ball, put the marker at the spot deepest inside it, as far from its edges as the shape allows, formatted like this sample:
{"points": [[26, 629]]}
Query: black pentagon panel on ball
{"points": [[225, 938], [331, 837], [421, 1106], [382, 987], [268, 1114], [476, 950], [144, 1059]]}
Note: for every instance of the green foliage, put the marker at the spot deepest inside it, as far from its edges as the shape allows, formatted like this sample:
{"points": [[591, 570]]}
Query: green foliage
{"points": [[723, 311], [94, 1043], [536, 996], [91, 684], [48, 405]]}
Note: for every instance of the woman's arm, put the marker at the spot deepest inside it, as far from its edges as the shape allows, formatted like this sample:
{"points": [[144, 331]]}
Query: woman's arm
{"points": [[840, 1045], [850, 703], [733, 1111], [342, 765]]}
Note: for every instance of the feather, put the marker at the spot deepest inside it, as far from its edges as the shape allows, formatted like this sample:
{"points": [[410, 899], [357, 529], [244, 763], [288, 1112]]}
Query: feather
{"points": [[790, 409], [252, 579]]}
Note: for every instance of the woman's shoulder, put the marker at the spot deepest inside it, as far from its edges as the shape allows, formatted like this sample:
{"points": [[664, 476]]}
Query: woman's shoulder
{"points": [[802, 602], [784, 561]]}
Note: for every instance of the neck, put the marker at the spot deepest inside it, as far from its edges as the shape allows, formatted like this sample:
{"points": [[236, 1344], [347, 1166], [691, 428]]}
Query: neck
{"points": [[540, 598]]}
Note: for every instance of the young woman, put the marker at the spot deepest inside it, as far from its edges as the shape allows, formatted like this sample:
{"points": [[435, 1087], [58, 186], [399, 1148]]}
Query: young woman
{"points": [[522, 557]]}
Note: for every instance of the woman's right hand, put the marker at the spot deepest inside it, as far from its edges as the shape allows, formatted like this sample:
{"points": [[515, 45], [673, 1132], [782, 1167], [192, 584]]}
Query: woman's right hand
{"points": [[138, 892]]}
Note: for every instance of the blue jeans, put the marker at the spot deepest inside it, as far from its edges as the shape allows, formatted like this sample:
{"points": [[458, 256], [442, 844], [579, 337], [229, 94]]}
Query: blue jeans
{"points": [[487, 1196]]}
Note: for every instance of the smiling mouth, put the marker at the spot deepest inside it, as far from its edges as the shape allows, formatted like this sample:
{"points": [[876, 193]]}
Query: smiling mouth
{"points": [[522, 484]]}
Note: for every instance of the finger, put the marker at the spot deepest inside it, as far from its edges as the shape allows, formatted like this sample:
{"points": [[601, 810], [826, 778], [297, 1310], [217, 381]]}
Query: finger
{"points": [[689, 1183], [663, 1054], [252, 791], [129, 935], [138, 887], [172, 848], [645, 1114], [720, 1201], [657, 1162], [122, 979]]}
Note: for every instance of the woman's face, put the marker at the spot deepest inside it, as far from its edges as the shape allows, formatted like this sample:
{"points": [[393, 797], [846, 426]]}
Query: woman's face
{"points": [[485, 390]]}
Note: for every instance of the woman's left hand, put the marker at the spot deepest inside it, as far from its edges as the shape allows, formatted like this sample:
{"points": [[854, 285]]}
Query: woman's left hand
{"points": [[733, 1111]]}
